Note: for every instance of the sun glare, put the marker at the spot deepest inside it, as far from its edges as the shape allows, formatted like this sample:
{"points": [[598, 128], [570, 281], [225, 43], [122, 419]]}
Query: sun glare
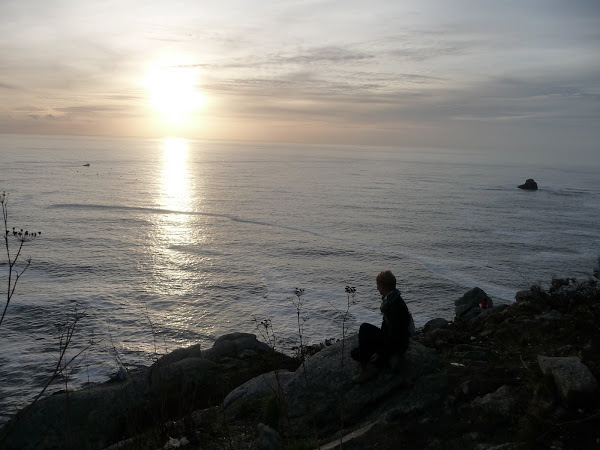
{"points": [[173, 91]]}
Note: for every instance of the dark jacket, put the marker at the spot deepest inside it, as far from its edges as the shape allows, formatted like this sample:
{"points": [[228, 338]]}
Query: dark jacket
{"points": [[396, 321]]}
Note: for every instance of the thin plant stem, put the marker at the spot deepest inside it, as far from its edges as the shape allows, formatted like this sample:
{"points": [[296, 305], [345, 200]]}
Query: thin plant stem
{"points": [[13, 273]]}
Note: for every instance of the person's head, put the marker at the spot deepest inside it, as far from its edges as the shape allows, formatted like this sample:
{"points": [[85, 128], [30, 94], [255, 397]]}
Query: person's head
{"points": [[386, 282]]}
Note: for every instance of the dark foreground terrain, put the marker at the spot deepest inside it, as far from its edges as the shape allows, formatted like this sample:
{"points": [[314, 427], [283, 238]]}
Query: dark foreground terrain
{"points": [[515, 376], [495, 395]]}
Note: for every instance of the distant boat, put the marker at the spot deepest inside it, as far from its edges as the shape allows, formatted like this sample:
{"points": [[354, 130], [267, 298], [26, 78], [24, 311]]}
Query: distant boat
{"points": [[86, 165]]}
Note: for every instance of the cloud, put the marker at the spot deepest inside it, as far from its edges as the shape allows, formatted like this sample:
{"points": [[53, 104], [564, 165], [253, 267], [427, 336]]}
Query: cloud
{"points": [[29, 109], [42, 117], [8, 86], [91, 109]]}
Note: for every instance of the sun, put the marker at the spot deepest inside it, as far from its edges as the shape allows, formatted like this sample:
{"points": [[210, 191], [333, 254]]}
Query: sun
{"points": [[172, 91]]}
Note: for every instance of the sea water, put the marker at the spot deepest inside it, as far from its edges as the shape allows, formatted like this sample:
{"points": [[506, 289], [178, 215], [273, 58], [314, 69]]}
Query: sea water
{"points": [[160, 244]]}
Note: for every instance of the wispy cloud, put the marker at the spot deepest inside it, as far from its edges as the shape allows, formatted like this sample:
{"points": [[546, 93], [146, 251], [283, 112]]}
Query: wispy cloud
{"points": [[8, 86], [42, 117]]}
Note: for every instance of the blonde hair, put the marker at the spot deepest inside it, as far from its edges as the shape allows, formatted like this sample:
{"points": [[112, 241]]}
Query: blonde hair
{"points": [[387, 279]]}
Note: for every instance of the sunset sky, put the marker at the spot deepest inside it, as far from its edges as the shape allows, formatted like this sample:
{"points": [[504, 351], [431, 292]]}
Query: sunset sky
{"points": [[504, 74]]}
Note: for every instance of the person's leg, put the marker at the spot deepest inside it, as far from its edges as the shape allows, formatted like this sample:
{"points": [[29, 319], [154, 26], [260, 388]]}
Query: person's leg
{"points": [[371, 340]]}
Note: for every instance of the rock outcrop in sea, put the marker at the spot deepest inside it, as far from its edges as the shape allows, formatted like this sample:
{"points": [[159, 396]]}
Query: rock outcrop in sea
{"points": [[529, 185], [523, 375]]}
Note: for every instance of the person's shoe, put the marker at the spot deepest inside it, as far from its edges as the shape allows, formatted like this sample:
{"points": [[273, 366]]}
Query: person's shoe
{"points": [[367, 372]]}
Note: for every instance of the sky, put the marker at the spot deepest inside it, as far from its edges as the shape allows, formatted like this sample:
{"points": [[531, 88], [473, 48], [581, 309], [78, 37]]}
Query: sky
{"points": [[447, 73]]}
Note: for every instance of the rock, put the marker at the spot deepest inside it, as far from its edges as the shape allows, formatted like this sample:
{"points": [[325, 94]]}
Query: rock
{"points": [[471, 352], [315, 391], [470, 314], [524, 296], [236, 345], [484, 314], [486, 333], [469, 303], [175, 443], [551, 316], [259, 387], [119, 375], [194, 351], [496, 406], [507, 446], [269, 439], [435, 324], [91, 418], [179, 382], [575, 382], [529, 185], [177, 387]]}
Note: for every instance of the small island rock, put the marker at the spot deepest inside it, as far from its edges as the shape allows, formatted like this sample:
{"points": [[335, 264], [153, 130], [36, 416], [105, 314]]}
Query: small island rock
{"points": [[529, 185]]}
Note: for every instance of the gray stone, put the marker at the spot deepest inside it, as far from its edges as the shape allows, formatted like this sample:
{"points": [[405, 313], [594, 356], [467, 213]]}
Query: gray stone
{"points": [[268, 439], [262, 386], [551, 316], [461, 310], [87, 419], [184, 384], [194, 351], [484, 314], [575, 382], [498, 405], [471, 313], [507, 446], [236, 345], [317, 389], [486, 333], [470, 301], [524, 296], [435, 324]]}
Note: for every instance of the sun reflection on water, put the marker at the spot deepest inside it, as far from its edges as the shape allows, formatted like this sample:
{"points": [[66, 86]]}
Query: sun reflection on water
{"points": [[175, 181], [175, 228]]}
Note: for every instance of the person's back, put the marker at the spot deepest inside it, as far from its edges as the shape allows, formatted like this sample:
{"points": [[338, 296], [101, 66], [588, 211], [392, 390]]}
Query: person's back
{"points": [[396, 320]]}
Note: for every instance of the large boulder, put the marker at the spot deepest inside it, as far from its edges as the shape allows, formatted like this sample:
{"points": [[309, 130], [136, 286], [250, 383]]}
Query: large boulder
{"points": [[258, 388], [90, 418], [322, 388], [468, 307], [529, 185], [575, 382], [496, 407], [184, 380], [483, 315], [435, 324]]}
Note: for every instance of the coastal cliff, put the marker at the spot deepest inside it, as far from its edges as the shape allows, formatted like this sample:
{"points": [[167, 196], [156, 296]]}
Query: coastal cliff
{"points": [[513, 376]]}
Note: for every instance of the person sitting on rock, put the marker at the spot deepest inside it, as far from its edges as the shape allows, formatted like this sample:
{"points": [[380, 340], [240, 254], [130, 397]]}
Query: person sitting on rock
{"points": [[379, 346]]}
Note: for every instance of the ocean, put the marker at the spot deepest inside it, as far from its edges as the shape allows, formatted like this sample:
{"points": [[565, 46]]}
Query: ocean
{"points": [[157, 244]]}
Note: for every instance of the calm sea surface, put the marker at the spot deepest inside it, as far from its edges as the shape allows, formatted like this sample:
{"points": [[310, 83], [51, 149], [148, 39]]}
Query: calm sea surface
{"points": [[166, 243]]}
